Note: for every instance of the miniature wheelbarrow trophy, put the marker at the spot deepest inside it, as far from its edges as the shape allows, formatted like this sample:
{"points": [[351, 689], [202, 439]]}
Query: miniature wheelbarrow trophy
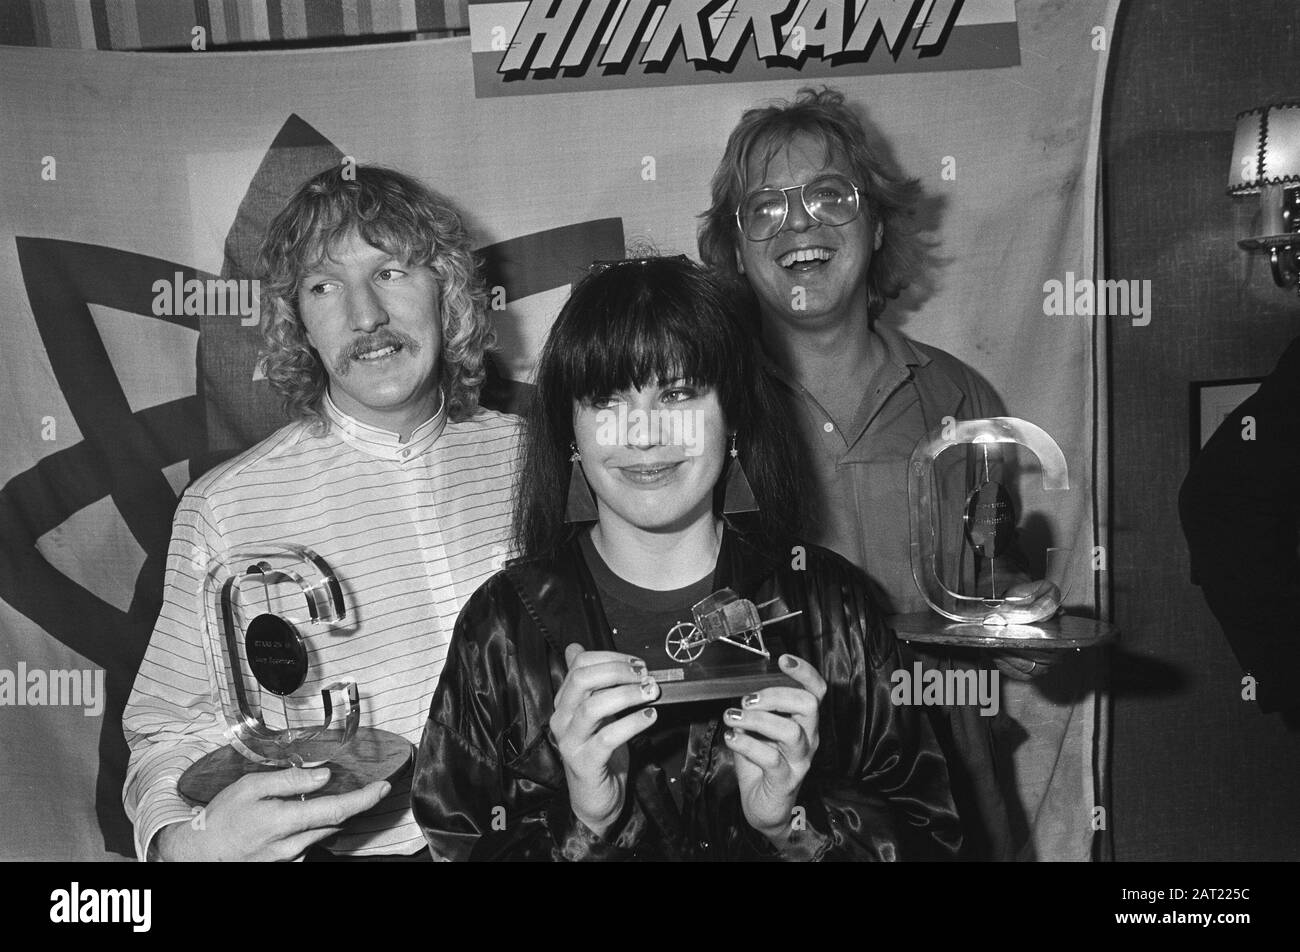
{"points": [[723, 618], [262, 610], [956, 538]]}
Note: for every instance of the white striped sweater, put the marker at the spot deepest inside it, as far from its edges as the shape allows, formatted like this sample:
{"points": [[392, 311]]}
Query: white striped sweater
{"points": [[410, 530]]}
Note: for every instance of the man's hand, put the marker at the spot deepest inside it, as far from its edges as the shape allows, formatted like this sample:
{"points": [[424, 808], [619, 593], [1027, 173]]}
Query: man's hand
{"points": [[774, 736], [259, 817], [589, 734], [1025, 664]]}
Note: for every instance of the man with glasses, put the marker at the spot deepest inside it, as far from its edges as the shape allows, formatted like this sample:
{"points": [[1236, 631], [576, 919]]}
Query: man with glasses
{"points": [[807, 218]]}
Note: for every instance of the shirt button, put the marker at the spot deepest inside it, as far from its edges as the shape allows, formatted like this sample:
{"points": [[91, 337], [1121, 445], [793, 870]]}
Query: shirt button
{"points": [[405, 453], [828, 427]]}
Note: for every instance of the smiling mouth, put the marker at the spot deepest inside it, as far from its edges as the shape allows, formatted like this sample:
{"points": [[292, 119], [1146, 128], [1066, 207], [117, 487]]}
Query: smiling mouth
{"points": [[377, 354], [805, 259], [647, 474]]}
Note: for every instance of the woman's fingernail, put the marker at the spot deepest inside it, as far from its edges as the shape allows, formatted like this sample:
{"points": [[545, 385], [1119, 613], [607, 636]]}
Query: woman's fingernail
{"points": [[789, 662], [733, 714], [638, 666], [650, 713], [730, 735], [649, 688], [749, 700]]}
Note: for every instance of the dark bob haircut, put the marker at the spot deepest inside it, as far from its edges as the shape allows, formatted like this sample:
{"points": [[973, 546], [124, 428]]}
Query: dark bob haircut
{"points": [[644, 322]]}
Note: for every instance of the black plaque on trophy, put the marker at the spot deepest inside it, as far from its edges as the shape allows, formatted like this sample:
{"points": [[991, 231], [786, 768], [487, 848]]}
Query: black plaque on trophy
{"points": [[276, 654]]}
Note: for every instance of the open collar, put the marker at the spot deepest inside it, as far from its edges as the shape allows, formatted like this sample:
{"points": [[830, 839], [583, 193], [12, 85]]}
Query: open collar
{"points": [[910, 363]]}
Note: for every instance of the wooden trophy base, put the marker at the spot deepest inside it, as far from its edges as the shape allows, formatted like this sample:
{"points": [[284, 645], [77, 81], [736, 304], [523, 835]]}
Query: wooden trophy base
{"points": [[681, 685], [371, 755], [722, 672]]}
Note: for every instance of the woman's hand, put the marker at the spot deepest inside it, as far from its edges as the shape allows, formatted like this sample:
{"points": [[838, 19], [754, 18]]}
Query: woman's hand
{"points": [[774, 736], [589, 734]]}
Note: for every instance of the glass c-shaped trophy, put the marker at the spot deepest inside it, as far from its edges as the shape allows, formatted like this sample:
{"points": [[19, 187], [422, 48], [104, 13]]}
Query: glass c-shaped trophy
{"points": [[988, 523], [265, 610], [263, 607], [986, 547]]}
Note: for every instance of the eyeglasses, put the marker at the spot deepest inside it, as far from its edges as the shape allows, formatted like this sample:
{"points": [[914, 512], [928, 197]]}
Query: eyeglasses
{"points": [[829, 199]]}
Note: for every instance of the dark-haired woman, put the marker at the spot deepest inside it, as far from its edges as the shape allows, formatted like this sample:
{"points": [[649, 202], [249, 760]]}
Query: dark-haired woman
{"points": [[544, 741]]}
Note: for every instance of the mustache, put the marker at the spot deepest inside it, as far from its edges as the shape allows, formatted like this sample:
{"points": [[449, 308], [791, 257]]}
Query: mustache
{"points": [[342, 362]]}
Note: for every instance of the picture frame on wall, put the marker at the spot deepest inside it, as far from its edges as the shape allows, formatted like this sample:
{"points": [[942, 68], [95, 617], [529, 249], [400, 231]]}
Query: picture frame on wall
{"points": [[1213, 401], [1210, 402]]}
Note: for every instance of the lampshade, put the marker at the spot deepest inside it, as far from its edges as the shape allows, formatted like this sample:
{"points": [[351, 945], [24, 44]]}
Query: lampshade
{"points": [[1266, 150]]}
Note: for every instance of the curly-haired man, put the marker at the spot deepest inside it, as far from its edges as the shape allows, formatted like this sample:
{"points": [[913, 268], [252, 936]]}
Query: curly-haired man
{"points": [[376, 332]]}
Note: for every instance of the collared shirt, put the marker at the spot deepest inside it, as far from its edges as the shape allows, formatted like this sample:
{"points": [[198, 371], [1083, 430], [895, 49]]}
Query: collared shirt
{"points": [[410, 530], [859, 500]]}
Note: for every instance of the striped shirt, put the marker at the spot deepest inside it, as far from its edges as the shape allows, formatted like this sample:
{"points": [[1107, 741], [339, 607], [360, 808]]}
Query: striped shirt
{"points": [[410, 530]]}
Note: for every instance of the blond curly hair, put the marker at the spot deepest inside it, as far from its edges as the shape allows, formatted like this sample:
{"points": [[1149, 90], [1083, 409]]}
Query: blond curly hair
{"points": [[399, 215]]}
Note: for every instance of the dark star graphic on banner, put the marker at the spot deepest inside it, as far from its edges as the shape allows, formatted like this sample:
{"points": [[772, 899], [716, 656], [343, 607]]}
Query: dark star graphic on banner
{"points": [[123, 453]]}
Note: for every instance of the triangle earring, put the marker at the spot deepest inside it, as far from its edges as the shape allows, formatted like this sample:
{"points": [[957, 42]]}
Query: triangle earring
{"points": [[739, 495], [580, 505]]}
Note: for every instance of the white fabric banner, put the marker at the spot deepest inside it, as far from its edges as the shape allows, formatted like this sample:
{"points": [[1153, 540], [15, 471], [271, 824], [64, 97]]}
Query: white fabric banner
{"points": [[124, 169]]}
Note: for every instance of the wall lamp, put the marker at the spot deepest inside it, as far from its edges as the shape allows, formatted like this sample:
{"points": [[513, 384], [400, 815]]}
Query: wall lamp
{"points": [[1266, 161]]}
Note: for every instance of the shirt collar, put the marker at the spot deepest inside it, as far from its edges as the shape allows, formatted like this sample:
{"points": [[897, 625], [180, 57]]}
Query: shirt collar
{"points": [[899, 351], [384, 444], [902, 351]]}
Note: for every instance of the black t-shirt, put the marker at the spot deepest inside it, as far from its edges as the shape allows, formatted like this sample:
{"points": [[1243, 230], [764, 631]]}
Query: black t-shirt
{"points": [[640, 619]]}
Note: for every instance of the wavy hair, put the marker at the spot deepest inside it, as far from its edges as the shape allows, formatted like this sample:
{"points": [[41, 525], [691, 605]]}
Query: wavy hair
{"points": [[762, 133], [399, 215], [633, 324]]}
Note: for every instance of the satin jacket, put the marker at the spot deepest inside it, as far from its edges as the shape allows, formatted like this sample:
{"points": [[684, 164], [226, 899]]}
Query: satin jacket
{"points": [[489, 784]]}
